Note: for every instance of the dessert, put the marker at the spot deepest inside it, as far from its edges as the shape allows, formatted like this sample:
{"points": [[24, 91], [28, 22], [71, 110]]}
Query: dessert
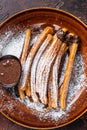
{"points": [[30, 57], [23, 59], [40, 52], [40, 66], [67, 76]]}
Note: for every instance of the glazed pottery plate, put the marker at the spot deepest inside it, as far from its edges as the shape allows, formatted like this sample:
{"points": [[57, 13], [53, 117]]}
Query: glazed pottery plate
{"points": [[27, 113]]}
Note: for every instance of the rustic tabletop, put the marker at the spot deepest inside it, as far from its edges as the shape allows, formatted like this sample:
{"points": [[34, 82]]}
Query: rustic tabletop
{"points": [[76, 7]]}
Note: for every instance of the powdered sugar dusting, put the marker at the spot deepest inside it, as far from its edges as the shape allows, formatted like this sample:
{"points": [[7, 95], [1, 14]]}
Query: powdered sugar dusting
{"points": [[77, 84], [13, 45], [4, 39], [78, 77]]}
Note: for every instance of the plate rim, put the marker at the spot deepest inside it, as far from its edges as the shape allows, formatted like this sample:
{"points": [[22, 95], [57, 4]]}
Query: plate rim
{"points": [[26, 126], [52, 9], [46, 8]]}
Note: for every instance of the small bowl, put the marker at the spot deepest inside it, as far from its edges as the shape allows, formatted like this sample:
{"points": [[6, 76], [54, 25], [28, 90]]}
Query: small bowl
{"points": [[7, 64]]}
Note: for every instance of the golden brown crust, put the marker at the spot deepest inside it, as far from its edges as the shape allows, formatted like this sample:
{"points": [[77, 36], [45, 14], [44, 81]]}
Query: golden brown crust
{"points": [[64, 87], [30, 57], [35, 63], [44, 70], [23, 58], [53, 86]]}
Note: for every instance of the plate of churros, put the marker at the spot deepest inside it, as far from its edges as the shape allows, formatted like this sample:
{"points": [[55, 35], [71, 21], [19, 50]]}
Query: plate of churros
{"points": [[43, 68]]}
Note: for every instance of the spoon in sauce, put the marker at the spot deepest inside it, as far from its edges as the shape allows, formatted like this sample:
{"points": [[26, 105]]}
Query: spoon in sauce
{"points": [[10, 71]]}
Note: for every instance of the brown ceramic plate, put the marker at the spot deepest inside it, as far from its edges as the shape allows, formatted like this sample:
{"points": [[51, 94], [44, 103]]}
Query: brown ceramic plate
{"points": [[19, 112]]}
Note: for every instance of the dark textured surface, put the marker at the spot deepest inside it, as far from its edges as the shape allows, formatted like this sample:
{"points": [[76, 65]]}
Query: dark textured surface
{"points": [[76, 7]]}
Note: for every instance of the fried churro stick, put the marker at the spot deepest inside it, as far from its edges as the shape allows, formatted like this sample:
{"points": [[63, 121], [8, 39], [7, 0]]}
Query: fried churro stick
{"points": [[26, 46], [48, 61], [32, 53], [65, 85], [53, 85], [53, 89], [35, 63], [41, 64], [23, 58]]}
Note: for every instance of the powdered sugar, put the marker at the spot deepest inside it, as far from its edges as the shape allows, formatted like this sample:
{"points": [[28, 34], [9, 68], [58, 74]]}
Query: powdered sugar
{"points": [[13, 45], [42, 112], [77, 85], [78, 77], [4, 39]]}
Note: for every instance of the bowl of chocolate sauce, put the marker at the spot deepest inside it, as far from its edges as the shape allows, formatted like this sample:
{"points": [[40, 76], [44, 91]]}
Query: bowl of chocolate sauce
{"points": [[10, 71]]}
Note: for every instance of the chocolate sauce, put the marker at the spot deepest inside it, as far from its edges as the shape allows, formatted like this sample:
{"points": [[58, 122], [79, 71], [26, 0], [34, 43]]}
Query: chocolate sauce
{"points": [[10, 70]]}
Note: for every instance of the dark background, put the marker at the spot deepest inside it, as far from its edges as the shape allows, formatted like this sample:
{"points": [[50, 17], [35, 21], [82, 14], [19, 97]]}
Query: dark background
{"points": [[76, 7]]}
